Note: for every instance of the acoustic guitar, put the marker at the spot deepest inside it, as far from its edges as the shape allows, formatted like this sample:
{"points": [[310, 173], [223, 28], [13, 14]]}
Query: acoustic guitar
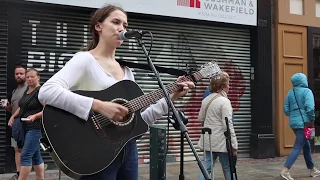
{"points": [[81, 148]]}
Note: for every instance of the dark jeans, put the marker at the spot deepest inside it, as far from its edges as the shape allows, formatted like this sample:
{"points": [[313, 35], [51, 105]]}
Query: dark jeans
{"points": [[124, 167], [300, 144]]}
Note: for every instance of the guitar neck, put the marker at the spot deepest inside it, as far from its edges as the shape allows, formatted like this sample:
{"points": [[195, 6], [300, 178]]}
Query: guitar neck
{"points": [[148, 99]]}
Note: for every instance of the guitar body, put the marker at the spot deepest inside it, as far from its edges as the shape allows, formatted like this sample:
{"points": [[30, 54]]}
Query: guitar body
{"points": [[77, 147], [80, 148]]}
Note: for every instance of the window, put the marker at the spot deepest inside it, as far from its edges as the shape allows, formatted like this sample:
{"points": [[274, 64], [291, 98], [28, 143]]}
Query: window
{"points": [[318, 8], [296, 7]]}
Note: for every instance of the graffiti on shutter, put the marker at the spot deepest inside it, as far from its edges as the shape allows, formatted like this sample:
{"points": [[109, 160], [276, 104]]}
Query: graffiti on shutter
{"points": [[50, 40]]}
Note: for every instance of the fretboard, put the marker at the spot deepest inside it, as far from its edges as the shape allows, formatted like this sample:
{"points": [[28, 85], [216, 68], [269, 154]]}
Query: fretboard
{"points": [[148, 99]]}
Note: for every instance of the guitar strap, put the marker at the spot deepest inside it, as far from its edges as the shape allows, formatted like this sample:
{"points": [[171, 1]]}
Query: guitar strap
{"points": [[171, 71]]}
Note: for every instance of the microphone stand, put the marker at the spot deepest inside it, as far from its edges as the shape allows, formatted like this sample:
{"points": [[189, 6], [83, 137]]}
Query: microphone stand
{"points": [[233, 171], [182, 127]]}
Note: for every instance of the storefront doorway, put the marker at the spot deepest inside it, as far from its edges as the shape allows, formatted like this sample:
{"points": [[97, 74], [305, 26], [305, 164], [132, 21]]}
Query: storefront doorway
{"points": [[314, 75]]}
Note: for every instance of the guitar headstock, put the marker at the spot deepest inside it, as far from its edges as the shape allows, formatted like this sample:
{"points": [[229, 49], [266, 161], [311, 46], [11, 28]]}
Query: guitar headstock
{"points": [[210, 69]]}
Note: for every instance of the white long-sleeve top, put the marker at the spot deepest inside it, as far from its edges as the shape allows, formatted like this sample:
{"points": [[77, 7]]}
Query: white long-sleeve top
{"points": [[214, 118], [83, 72]]}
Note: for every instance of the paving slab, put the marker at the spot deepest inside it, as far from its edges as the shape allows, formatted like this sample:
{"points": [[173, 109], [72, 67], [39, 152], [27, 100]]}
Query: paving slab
{"points": [[247, 169]]}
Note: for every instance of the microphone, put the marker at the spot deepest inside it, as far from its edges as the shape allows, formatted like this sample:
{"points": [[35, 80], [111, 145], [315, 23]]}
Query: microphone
{"points": [[131, 34]]}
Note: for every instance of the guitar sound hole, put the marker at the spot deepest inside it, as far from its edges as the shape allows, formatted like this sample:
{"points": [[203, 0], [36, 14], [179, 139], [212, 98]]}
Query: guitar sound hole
{"points": [[128, 118], [120, 130]]}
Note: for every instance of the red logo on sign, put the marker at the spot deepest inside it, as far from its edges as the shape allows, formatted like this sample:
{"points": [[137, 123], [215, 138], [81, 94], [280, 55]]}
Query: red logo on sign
{"points": [[189, 3]]}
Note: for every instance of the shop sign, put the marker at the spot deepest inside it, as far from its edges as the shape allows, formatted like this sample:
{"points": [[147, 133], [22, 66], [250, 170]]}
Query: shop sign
{"points": [[228, 11]]}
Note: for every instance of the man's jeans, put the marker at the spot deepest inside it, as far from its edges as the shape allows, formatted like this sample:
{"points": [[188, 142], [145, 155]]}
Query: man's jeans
{"points": [[299, 144], [224, 159], [124, 167]]}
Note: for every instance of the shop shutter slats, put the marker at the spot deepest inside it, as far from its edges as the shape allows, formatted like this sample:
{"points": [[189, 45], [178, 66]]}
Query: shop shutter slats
{"points": [[3, 82], [175, 45]]}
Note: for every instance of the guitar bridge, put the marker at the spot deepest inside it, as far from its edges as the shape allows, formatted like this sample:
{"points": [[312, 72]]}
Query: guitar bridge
{"points": [[97, 127]]}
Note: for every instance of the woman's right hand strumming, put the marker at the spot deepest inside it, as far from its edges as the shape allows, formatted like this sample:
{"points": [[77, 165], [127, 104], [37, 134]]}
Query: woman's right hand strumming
{"points": [[113, 111]]}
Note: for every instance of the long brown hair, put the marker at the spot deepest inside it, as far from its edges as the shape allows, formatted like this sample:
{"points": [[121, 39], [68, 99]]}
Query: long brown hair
{"points": [[98, 17]]}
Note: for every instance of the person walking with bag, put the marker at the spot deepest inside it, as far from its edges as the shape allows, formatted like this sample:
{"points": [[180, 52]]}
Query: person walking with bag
{"points": [[299, 107], [214, 109]]}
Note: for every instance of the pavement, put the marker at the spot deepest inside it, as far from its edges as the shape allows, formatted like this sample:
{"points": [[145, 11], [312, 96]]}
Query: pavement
{"points": [[247, 169]]}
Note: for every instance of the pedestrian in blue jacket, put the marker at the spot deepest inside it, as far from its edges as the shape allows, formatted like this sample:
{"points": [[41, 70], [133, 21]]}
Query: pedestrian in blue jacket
{"points": [[301, 94]]}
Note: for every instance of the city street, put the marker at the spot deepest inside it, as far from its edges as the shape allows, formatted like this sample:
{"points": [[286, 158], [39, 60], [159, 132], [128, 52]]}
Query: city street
{"points": [[248, 169]]}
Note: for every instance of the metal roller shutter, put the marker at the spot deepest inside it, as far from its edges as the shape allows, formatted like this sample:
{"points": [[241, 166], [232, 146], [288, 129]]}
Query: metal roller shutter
{"points": [[49, 39], [3, 82], [183, 46], [52, 36]]}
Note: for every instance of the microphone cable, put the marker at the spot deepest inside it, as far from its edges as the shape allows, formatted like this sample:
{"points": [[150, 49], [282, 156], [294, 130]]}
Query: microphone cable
{"points": [[151, 38]]}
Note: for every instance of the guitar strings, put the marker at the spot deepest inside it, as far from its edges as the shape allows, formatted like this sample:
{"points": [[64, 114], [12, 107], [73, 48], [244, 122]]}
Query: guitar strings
{"points": [[157, 92], [103, 121]]}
